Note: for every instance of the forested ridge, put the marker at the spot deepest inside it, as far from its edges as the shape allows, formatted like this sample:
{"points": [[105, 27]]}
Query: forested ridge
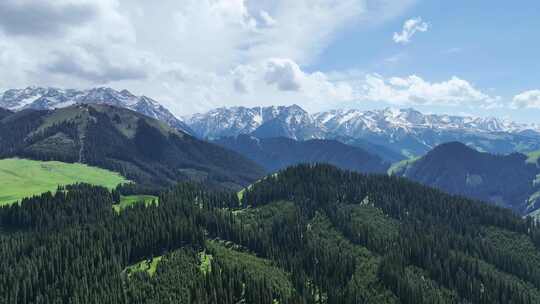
{"points": [[504, 180], [140, 148], [278, 153], [308, 234]]}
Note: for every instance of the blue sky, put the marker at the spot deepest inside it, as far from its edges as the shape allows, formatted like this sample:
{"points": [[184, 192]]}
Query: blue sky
{"points": [[459, 57], [494, 45]]}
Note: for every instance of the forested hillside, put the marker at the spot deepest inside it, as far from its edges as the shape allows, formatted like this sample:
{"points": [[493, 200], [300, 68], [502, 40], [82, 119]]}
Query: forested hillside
{"points": [[309, 234], [278, 153], [140, 148], [509, 181]]}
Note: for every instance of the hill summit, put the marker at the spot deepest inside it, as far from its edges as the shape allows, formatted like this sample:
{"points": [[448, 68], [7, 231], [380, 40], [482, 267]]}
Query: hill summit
{"points": [[504, 180]]}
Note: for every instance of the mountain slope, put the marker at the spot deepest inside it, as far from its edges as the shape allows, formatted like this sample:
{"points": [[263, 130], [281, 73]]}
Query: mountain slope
{"points": [[141, 148], [38, 98], [309, 234], [22, 178], [278, 153], [505, 180], [386, 153]]}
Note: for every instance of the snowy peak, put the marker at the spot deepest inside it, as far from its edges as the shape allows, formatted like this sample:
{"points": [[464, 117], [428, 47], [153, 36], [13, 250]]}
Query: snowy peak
{"points": [[292, 121], [406, 132], [50, 98], [351, 122], [123, 98], [223, 122], [39, 98], [300, 124]]}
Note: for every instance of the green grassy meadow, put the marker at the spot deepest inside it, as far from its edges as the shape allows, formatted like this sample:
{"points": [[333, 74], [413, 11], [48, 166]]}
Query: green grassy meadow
{"points": [[401, 165], [21, 178], [533, 157], [149, 266], [130, 200], [206, 262]]}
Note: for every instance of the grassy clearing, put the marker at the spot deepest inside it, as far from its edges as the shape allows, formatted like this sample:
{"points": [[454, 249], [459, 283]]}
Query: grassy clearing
{"points": [[240, 194], [206, 262], [401, 165], [130, 200], [22, 178], [150, 266], [533, 157]]}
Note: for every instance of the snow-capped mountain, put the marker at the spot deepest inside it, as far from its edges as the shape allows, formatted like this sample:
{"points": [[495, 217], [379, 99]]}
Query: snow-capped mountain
{"points": [[406, 131], [355, 122], [51, 98], [411, 133], [291, 121]]}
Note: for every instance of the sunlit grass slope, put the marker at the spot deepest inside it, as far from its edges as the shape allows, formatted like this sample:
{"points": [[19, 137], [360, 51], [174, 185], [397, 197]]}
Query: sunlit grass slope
{"points": [[130, 200], [21, 177]]}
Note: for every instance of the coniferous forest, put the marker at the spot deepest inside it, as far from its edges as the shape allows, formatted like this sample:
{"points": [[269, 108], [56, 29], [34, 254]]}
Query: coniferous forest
{"points": [[308, 234], [269, 152]]}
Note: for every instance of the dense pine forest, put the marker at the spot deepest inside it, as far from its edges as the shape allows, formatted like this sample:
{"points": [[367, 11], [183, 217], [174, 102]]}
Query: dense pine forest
{"points": [[308, 234]]}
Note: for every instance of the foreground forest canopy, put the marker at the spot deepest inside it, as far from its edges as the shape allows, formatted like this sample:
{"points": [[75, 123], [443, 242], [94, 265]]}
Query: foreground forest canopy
{"points": [[309, 234]]}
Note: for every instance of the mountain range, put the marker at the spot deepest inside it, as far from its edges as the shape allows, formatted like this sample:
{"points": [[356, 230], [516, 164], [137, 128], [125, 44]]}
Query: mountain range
{"points": [[484, 166], [397, 133], [405, 132], [39, 98], [275, 121]]}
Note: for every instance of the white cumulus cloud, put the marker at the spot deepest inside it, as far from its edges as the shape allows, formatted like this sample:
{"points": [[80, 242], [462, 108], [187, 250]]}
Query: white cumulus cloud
{"points": [[413, 90], [285, 74], [192, 55], [527, 99], [410, 27], [282, 81]]}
